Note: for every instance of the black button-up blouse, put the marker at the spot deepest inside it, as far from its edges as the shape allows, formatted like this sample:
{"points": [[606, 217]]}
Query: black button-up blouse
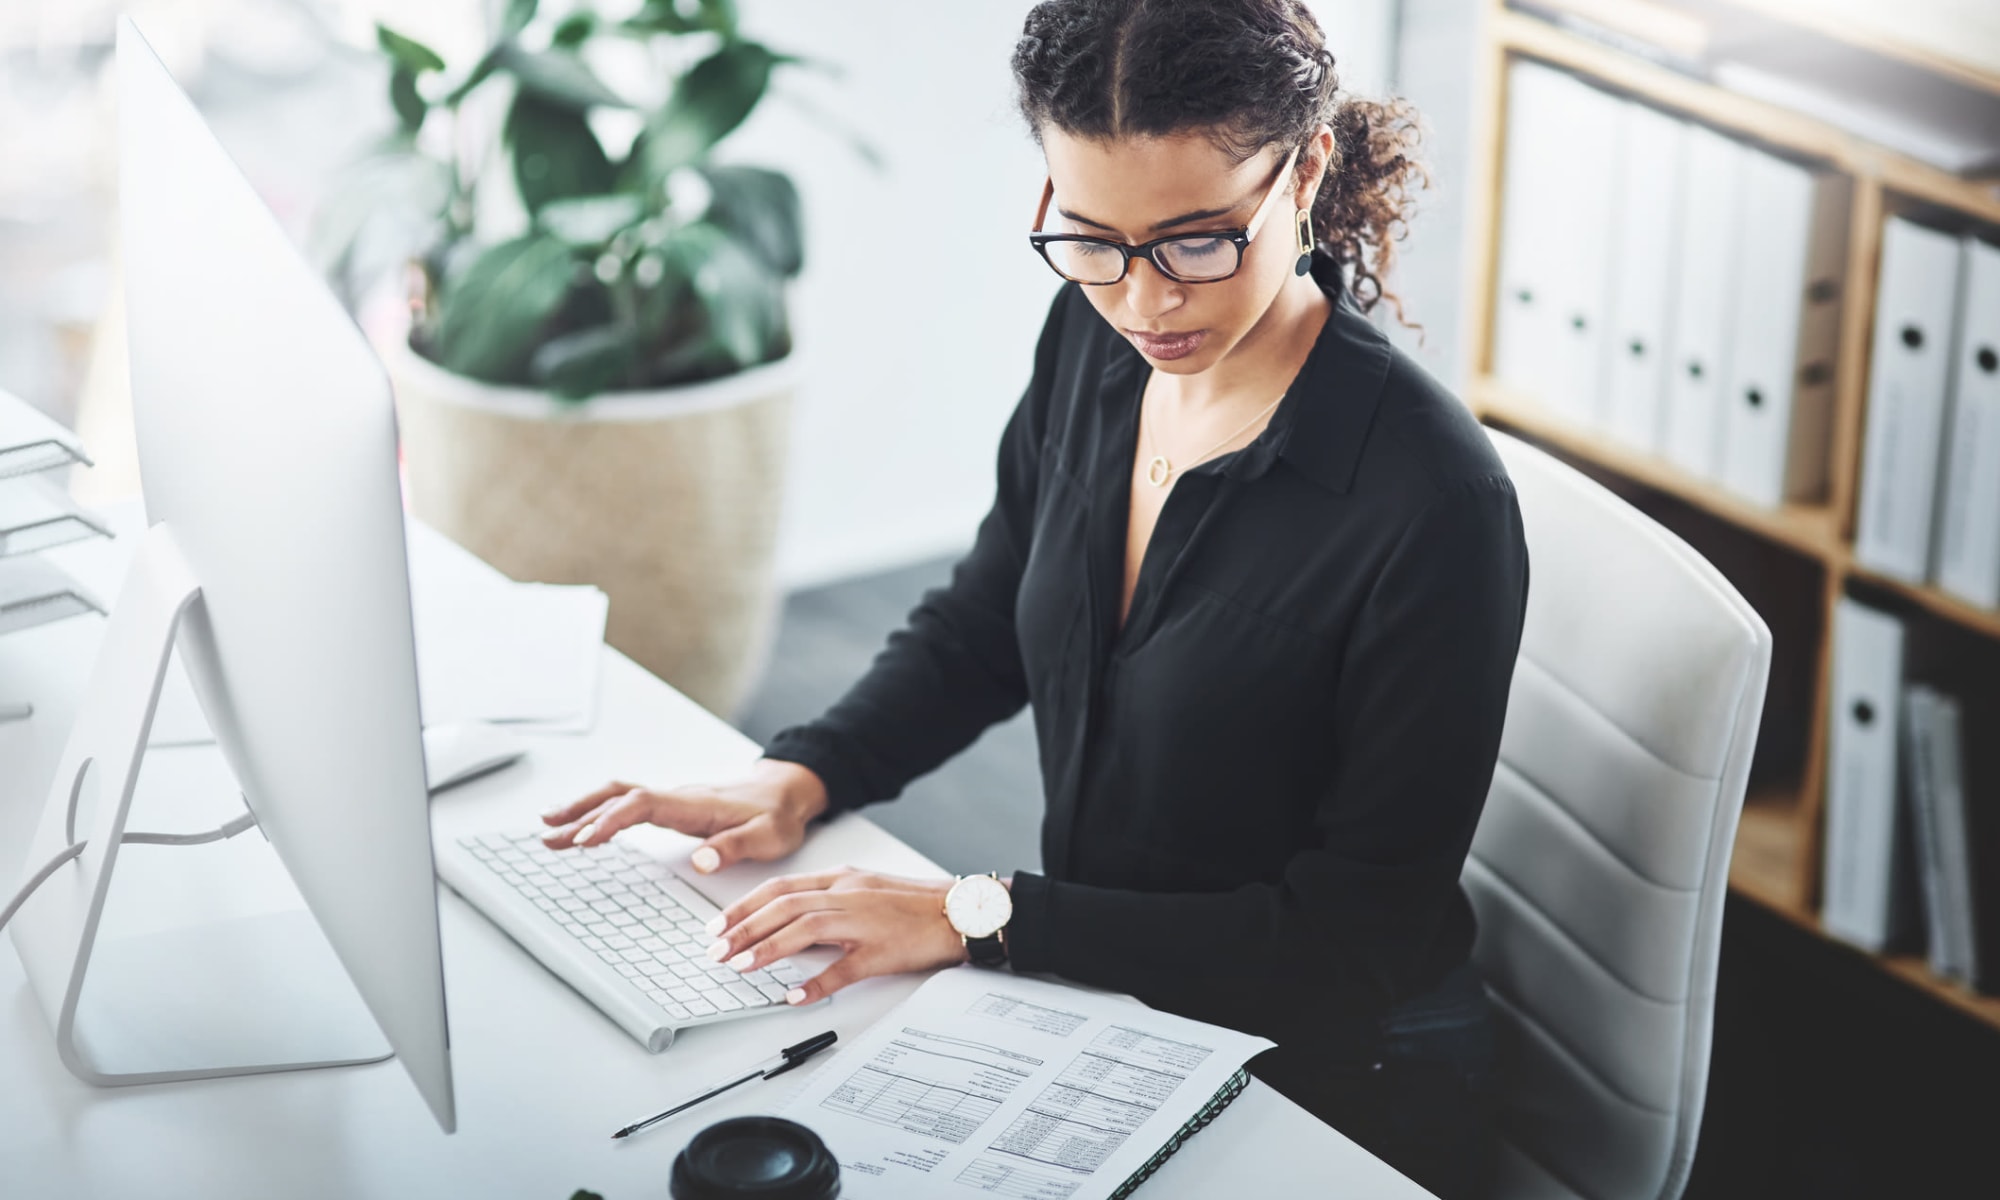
{"points": [[1260, 791]]}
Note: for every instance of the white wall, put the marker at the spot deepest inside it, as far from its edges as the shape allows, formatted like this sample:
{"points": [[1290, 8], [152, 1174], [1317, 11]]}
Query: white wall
{"points": [[910, 380]]}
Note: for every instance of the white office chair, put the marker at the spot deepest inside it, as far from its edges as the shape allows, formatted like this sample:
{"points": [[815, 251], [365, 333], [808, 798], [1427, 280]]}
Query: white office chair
{"points": [[1599, 867]]}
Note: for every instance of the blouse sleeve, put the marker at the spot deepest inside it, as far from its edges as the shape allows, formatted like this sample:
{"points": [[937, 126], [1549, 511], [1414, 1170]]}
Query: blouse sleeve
{"points": [[1416, 733], [955, 667]]}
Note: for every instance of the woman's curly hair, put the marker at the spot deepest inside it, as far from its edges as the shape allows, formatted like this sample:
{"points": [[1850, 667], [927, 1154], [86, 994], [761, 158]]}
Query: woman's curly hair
{"points": [[1250, 74]]}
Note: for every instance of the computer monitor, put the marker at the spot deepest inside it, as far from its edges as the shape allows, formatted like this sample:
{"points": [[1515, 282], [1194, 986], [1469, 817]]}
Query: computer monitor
{"points": [[267, 449]]}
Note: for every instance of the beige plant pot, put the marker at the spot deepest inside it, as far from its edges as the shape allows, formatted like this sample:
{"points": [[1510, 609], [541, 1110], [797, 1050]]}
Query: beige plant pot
{"points": [[668, 500]]}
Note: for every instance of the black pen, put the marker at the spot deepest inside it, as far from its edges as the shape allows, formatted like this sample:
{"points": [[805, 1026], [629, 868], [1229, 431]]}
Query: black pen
{"points": [[789, 1057]]}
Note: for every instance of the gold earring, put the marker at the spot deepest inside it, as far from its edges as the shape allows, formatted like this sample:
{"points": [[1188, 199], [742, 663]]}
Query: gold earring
{"points": [[1305, 240]]}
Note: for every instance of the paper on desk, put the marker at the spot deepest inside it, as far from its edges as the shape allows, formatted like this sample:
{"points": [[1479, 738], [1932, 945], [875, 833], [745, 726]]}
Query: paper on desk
{"points": [[986, 1083], [518, 652], [522, 653]]}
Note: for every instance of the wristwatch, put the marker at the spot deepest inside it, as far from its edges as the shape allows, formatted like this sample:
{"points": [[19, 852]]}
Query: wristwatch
{"points": [[979, 907]]}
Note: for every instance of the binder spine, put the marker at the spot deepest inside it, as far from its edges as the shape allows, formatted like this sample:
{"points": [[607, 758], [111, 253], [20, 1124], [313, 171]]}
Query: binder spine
{"points": [[1809, 453], [1231, 1088]]}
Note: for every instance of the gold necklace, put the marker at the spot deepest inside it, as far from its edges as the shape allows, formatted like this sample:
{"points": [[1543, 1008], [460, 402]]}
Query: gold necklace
{"points": [[1159, 471]]}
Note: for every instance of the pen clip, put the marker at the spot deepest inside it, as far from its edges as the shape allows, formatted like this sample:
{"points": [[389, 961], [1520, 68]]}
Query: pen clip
{"points": [[794, 1055]]}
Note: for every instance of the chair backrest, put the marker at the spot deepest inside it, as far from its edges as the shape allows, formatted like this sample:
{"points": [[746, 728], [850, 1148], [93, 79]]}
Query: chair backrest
{"points": [[1599, 868]]}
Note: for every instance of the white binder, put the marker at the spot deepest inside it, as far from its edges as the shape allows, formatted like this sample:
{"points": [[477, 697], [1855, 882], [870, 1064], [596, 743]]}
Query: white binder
{"points": [[1698, 334], [1582, 249], [1777, 420], [1524, 335], [1968, 544], [1909, 361], [1555, 240], [1646, 224], [1861, 850]]}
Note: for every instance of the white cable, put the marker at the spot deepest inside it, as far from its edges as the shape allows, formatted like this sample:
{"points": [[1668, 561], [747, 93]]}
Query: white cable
{"points": [[247, 821]]}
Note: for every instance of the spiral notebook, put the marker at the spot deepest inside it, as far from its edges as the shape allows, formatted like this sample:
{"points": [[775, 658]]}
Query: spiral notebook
{"points": [[984, 1083]]}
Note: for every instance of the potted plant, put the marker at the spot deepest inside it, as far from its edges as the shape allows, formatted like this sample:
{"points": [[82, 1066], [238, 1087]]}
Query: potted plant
{"points": [[595, 382]]}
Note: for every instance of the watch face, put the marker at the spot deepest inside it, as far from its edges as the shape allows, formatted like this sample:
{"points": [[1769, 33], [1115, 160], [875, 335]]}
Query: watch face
{"points": [[978, 906]]}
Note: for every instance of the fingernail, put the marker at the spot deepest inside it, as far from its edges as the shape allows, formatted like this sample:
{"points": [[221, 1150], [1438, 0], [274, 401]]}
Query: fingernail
{"points": [[795, 996], [716, 925], [719, 951], [741, 962], [706, 859], [582, 834], [552, 814]]}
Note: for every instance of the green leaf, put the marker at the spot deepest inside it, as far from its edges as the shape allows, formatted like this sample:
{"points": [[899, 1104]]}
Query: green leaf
{"points": [[665, 16], [478, 75], [517, 16], [588, 222], [761, 208], [707, 103], [489, 319], [575, 28], [407, 52], [403, 94], [740, 296], [578, 364], [555, 153], [557, 76]]}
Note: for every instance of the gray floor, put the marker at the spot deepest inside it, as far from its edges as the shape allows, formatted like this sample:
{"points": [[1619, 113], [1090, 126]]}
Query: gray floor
{"points": [[982, 810]]}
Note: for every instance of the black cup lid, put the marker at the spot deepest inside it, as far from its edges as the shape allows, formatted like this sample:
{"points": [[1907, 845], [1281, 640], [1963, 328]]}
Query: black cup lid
{"points": [[768, 1158]]}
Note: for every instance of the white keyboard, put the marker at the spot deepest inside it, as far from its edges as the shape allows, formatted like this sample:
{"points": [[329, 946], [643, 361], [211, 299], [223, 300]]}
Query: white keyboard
{"points": [[619, 927]]}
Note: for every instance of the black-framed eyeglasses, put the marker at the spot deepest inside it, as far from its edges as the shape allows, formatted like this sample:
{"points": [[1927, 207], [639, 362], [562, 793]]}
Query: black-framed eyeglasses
{"points": [[1210, 256]]}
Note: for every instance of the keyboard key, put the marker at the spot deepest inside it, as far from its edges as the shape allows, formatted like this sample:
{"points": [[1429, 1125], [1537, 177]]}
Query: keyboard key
{"points": [[622, 919], [688, 898], [607, 907], [784, 972], [677, 1011], [699, 1007], [687, 970], [627, 970], [600, 928], [773, 990], [595, 944], [680, 991], [654, 944], [744, 992], [658, 971], [616, 941], [635, 956]]}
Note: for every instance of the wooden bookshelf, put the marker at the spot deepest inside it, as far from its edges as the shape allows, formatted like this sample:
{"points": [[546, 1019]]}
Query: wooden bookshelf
{"points": [[1778, 844], [1812, 530]]}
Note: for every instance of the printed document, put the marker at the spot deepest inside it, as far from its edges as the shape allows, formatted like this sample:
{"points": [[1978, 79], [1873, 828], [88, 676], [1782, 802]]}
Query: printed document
{"points": [[985, 1083]]}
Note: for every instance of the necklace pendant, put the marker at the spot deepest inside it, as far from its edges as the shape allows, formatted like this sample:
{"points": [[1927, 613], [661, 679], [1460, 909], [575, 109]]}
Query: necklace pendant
{"points": [[1159, 471]]}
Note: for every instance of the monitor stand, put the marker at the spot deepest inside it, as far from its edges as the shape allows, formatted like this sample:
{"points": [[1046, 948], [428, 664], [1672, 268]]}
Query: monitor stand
{"points": [[237, 997]]}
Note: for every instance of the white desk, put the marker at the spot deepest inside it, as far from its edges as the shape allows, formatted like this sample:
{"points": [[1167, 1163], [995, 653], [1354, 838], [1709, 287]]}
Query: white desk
{"points": [[542, 1079]]}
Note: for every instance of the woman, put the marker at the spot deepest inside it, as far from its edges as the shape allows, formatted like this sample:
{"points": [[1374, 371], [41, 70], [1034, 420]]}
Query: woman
{"points": [[1260, 577]]}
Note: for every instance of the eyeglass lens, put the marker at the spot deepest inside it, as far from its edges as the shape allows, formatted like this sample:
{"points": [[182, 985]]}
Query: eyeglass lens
{"points": [[1192, 259]]}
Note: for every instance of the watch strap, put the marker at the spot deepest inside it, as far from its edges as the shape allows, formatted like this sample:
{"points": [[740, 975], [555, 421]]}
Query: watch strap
{"points": [[989, 951]]}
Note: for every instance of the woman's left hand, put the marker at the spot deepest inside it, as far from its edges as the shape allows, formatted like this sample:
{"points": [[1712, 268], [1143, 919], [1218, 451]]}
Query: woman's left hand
{"points": [[885, 924]]}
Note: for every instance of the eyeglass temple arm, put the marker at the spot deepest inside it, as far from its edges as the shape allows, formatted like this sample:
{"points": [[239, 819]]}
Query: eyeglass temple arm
{"points": [[1042, 209], [1277, 186]]}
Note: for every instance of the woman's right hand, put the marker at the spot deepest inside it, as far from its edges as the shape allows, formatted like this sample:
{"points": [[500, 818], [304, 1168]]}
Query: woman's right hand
{"points": [[759, 817]]}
